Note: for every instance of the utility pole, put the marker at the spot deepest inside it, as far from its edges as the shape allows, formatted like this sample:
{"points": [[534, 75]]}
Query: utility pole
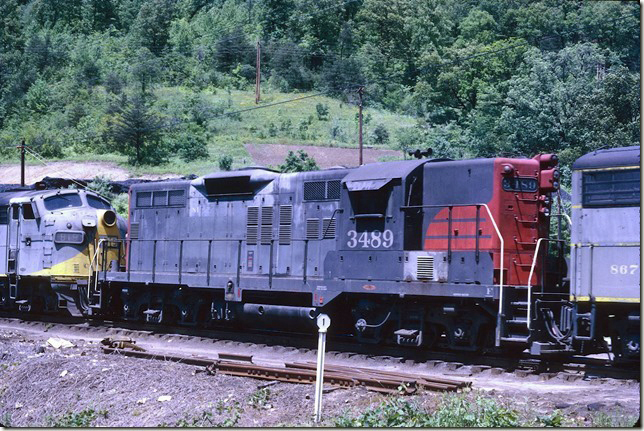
{"points": [[22, 162], [258, 73], [360, 92]]}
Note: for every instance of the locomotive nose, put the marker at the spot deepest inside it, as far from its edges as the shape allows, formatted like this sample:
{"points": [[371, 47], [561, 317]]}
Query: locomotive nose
{"points": [[109, 218]]}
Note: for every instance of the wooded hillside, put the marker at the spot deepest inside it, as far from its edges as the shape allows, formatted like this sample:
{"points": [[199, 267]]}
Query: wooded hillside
{"points": [[155, 79]]}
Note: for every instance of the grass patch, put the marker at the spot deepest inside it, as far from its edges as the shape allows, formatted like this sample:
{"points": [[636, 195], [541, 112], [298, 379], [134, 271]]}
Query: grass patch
{"points": [[453, 410], [222, 416], [615, 420], [82, 419]]}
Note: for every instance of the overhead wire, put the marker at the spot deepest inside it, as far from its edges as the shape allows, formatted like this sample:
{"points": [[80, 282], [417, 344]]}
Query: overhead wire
{"points": [[35, 155]]}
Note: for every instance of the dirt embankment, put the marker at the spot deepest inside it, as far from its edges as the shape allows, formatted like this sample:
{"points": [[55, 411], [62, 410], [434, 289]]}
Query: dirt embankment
{"points": [[81, 386], [325, 157], [10, 173]]}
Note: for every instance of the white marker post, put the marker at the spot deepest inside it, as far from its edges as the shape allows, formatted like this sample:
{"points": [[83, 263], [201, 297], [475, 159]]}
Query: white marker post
{"points": [[323, 324]]}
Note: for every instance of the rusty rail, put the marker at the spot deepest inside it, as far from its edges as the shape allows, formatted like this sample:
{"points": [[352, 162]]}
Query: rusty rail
{"points": [[305, 373]]}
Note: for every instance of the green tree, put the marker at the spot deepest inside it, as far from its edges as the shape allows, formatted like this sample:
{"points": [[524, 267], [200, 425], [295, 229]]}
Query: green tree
{"points": [[151, 29], [274, 17], [565, 102], [298, 163], [137, 133]]}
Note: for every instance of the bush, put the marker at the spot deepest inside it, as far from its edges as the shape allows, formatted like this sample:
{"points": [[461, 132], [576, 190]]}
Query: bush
{"points": [[380, 135], [298, 163], [272, 130], [322, 111], [101, 185], [225, 163], [410, 139], [120, 204]]}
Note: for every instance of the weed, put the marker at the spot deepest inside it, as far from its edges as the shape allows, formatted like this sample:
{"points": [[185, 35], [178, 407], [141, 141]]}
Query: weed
{"points": [[454, 411], [5, 421], [603, 420], [232, 414], [554, 419], [83, 419], [259, 399]]}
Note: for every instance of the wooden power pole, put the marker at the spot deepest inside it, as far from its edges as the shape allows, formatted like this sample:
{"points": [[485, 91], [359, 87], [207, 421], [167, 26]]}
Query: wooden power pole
{"points": [[258, 73], [360, 92], [22, 162]]}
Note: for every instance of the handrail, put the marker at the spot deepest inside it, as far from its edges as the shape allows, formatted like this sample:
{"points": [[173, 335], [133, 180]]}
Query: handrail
{"points": [[532, 267], [498, 233], [97, 248], [534, 264]]}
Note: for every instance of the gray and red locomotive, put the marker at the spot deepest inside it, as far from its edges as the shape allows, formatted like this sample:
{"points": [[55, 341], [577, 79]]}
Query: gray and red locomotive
{"points": [[425, 253]]}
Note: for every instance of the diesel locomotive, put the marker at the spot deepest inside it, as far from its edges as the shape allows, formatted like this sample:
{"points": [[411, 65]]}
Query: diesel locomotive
{"points": [[413, 252], [605, 250], [53, 243], [432, 253]]}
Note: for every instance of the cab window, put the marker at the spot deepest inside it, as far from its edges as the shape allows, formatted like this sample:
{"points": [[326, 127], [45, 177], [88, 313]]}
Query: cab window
{"points": [[98, 203], [28, 212], [57, 202]]}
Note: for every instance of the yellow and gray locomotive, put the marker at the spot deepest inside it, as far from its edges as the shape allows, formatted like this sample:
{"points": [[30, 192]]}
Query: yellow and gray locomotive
{"points": [[53, 243]]}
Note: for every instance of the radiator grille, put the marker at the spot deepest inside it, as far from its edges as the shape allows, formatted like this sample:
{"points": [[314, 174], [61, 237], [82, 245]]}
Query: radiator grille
{"points": [[252, 218], [328, 228], [333, 189], [314, 190], [134, 231], [176, 197], [425, 268], [313, 228], [144, 199], [160, 199], [322, 190]]}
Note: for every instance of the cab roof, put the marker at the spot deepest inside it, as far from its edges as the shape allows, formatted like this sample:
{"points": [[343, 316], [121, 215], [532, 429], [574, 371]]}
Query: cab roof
{"points": [[609, 158]]}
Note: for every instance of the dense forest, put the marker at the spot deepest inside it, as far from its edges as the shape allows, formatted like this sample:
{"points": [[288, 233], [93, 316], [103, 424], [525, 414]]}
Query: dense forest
{"points": [[478, 77]]}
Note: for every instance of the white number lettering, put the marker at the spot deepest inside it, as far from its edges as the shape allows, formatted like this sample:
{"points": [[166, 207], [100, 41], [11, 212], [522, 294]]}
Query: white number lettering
{"points": [[376, 239], [634, 268], [364, 239], [624, 269], [387, 238], [353, 241]]}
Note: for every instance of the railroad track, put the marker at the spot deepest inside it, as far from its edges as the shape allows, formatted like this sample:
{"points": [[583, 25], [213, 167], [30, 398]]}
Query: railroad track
{"points": [[571, 368]]}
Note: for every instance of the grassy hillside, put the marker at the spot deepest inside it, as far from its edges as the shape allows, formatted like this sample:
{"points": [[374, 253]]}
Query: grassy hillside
{"points": [[310, 121]]}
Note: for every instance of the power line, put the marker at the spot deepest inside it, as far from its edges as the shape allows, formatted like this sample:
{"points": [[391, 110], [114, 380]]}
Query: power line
{"points": [[61, 171]]}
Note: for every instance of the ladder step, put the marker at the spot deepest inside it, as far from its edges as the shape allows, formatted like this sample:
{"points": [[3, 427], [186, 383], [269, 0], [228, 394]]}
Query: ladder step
{"points": [[515, 339], [520, 303], [151, 312], [517, 321]]}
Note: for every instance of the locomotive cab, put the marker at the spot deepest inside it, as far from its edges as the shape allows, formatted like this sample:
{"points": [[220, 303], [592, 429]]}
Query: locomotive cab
{"points": [[374, 232], [55, 244]]}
